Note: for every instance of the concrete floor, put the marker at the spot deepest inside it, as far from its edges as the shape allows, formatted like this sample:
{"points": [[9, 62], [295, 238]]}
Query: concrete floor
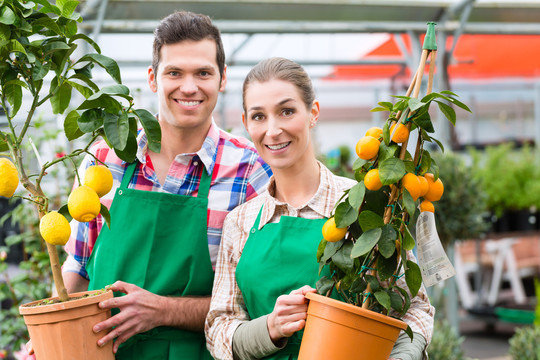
{"points": [[486, 341]]}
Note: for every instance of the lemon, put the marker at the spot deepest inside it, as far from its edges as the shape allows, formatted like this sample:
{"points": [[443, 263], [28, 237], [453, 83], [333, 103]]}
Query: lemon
{"points": [[331, 232], [401, 134], [372, 181], [9, 178], [412, 184], [54, 228], [367, 147], [83, 204], [427, 206], [99, 178], [436, 188]]}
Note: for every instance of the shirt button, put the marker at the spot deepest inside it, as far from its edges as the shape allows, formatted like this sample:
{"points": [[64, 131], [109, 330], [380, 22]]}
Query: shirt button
{"points": [[195, 163]]}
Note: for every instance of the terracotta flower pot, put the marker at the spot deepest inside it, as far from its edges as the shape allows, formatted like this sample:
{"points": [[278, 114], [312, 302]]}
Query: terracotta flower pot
{"points": [[63, 331], [337, 330]]}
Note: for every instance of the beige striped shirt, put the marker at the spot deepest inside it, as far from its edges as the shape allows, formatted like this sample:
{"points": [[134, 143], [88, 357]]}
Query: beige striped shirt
{"points": [[227, 308]]}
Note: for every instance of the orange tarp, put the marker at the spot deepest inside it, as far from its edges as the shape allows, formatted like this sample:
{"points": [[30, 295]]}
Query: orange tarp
{"points": [[475, 57]]}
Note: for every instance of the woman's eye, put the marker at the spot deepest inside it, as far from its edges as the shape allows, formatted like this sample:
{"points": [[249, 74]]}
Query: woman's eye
{"points": [[288, 112], [257, 117]]}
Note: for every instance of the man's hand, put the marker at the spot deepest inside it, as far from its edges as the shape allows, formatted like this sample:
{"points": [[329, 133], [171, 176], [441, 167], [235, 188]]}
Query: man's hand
{"points": [[140, 311], [289, 314]]}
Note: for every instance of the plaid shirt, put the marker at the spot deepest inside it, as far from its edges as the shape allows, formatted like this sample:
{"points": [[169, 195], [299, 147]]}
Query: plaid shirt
{"points": [[238, 174], [228, 310]]}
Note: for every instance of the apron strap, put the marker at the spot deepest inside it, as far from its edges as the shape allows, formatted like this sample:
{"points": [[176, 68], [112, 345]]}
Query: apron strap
{"points": [[204, 184], [128, 174]]}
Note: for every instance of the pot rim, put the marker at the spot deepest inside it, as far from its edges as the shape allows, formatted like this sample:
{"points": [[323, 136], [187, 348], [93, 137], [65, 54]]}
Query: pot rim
{"points": [[357, 310], [30, 309]]}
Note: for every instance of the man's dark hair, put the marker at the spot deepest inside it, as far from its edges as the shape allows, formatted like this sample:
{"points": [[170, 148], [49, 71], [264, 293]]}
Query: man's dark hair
{"points": [[186, 25]]}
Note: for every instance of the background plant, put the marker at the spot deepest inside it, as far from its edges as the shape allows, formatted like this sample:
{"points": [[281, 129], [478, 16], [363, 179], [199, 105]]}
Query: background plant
{"points": [[40, 68]]}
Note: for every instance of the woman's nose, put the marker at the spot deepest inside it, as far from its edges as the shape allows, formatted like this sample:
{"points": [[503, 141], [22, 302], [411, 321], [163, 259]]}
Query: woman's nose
{"points": [[274, 127]]}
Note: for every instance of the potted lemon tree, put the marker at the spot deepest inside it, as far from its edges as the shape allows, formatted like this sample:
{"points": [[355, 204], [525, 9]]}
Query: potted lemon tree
{"points": [[365, 242], [42, 70]]}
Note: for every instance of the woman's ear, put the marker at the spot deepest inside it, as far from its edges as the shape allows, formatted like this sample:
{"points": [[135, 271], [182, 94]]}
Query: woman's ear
{"points": [[244, 121], [315, 111]]}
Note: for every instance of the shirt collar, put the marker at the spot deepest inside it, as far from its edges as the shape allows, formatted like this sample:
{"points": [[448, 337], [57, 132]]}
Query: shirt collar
{"points": [[317, 203], [207, 154]]}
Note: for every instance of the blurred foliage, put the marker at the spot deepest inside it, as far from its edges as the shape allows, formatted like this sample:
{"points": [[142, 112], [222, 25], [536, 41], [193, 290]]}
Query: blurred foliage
{"points": [[509, 177], [339, 161], [524, 343], [461, 211], [446, 343]]}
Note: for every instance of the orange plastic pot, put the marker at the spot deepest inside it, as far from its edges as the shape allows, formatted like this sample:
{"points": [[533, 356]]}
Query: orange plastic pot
{"points": [[337, 330], [63, 331]]}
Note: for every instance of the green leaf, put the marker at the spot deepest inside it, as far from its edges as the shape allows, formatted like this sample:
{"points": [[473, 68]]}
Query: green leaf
{"points": [[391, 171], [13, 46], [438, 143], [64, 211], [386, 151], [71, 29], [47, 7], [129, 153], [409, 331], [83, 90], [106, 216], [369, 220], [413, 277], [386, 267], [116, 129], [13, 94], [415, 104], [5, 32], [434, 169], [68, 8], [425, 162], [151, 129], [424, 121], [342, 258], [345, 214], [366, 242], [3, 143], [408, 241], [330, 249], [448, 112], [320, 249], [87, 39], [105, 62], [356, 195], [60, 101], [387, 242], [386, 133], [409, 202], [359, 285], [71, 126], [383, 299], [7, 16], [324, 285], [358, 163], [105, 102], [91, 120], [396, 301], [48, 23], [39, 71], [82, 77], [54, 46]]}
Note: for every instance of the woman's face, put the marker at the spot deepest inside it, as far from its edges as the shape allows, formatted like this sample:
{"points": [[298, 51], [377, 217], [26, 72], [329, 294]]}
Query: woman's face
{"points": [[278, 122]]}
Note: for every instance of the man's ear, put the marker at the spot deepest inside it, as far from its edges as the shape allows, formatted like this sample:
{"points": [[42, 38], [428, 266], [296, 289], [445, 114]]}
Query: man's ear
{"points": [[223, 79], [152, 82]]}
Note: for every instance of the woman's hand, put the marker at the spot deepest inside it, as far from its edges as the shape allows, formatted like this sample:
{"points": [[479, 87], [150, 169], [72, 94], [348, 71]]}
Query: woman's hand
{"points": [[289, 314]]}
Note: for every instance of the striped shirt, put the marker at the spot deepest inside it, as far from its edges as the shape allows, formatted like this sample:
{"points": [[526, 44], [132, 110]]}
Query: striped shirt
{"points": [[227, 308], [238, 174]]}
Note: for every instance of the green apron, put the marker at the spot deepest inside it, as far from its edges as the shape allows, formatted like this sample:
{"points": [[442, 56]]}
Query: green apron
{"points": [[277, 259], [159, 242]]}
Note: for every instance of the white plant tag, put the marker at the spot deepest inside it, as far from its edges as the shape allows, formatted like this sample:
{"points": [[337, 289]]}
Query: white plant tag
{"points": [[434, 264]]}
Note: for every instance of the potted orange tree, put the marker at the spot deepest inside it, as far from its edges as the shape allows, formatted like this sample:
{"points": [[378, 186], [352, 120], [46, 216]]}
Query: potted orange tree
{"points": [[365, 242], [42, 67]]}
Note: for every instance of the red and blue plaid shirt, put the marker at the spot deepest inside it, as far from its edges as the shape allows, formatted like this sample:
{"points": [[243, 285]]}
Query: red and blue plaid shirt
{"points": [[238, 174]]}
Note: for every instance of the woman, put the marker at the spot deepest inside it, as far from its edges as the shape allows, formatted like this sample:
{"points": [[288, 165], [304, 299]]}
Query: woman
{"points": [[266, 262]]}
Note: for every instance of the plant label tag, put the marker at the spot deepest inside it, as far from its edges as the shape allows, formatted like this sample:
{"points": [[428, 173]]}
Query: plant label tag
{"points": [[432, 260]]}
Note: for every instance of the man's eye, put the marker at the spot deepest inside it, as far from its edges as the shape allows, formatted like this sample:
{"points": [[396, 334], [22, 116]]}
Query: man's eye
{"points": [[174, 73], [205, 73]]}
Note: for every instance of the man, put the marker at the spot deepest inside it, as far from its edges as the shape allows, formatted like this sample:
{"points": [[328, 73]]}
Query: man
{"points": [[169, 207]]}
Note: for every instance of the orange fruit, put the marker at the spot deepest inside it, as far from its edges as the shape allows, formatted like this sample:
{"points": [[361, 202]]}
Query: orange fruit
{"points": [[412, 184], [436, 188], [400, 135], [375, 131], [427, 206], [372, 181], [424, 185], [331, 232], [367, 147]]}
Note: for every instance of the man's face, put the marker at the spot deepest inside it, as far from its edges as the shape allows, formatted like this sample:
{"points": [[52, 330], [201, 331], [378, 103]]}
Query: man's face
{"points": [[187, 83]]}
